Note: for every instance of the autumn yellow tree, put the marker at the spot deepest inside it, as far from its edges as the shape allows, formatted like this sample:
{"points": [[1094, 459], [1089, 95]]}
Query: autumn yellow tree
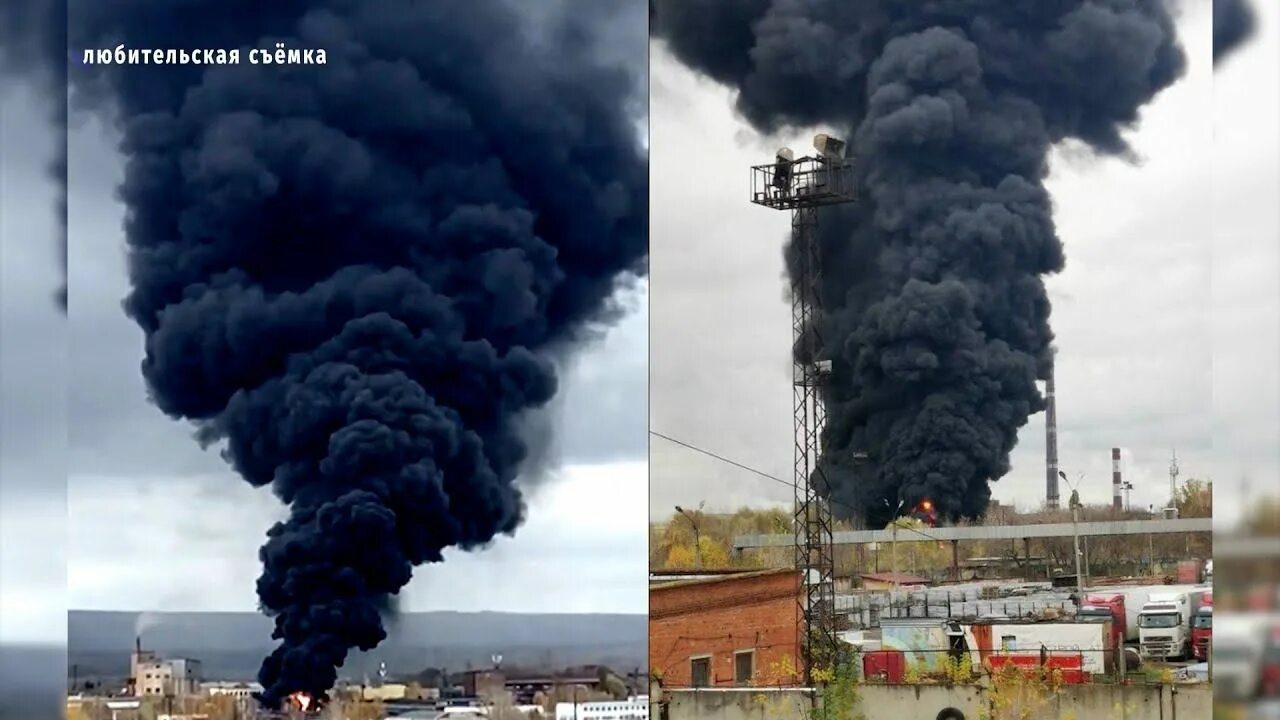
{"points": [[713, 555], [1263, 516], [917, 551], [1194, 499], [217, 707], [355, 710], [672, 543]]}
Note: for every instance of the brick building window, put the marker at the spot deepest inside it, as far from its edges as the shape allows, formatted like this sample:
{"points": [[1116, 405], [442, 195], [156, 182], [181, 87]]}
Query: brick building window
{"points": [[743, 667], [700, 671]]}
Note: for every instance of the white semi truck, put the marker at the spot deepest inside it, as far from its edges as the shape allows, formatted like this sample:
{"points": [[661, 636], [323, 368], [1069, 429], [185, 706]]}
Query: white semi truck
{"points": [[1164, 625]]}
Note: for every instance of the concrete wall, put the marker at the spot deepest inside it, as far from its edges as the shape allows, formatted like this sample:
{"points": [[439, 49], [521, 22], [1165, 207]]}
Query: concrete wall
{"points": [[925, 702], [733, 704]]}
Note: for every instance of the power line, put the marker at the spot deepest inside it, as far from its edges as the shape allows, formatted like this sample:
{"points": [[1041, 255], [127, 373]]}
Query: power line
{"points": [[767, 476], [723, 459]]}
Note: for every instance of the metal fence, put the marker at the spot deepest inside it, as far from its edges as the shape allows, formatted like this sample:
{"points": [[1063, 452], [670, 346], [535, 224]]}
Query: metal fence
{"points": [[1069, 665], [867, 611]]}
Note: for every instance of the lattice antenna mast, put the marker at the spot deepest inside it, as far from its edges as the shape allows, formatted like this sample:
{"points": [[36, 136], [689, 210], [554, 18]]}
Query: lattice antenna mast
{"points": [[802, 186]]}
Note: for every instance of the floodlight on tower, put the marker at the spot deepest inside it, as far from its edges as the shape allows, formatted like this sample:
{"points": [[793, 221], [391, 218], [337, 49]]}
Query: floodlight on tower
{"points": [[827, 146], [782, 169]]}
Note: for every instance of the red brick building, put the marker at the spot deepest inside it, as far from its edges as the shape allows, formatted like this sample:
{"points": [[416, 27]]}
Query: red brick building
{"points": [[726, 631]]}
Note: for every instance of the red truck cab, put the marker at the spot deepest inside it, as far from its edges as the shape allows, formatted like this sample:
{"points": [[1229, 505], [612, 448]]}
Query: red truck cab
{"points": [[1269, 682], [1107, 605], [1202, 628]]}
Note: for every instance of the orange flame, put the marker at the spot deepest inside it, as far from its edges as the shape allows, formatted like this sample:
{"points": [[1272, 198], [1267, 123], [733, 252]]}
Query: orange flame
{"points": [[301, 700]]}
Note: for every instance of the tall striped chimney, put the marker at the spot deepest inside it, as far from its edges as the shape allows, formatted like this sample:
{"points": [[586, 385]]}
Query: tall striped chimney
{"points": [[1116, 503], [1050, 443]]}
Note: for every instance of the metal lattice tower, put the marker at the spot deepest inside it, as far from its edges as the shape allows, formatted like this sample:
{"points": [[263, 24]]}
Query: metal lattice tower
{"points": [[802, 186]]}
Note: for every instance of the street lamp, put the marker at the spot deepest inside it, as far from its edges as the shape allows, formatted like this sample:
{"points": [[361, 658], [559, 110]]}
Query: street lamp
{"points": [[697, 534], [1075, 533], [893, 552]]}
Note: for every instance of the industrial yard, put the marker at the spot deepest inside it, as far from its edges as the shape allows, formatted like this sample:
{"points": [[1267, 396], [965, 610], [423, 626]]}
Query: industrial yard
{"points": [[962, 469], [172, 688]]}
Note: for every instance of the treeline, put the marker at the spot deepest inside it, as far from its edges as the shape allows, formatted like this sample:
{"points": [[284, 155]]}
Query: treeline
{"points": [[672, 543]]}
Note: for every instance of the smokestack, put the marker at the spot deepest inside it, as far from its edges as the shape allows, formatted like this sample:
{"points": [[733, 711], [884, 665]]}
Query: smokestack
{"points": [[1115, 480], [1050, 443], [137, 644]]}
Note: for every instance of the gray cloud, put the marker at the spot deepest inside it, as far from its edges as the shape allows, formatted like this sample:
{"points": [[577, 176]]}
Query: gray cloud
{"points": [[154, 543], [1245, 302], [33, 351]]}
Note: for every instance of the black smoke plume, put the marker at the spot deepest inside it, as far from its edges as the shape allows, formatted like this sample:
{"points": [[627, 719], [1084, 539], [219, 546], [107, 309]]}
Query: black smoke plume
{"points": [[357, 275], [937, 319], [1234, 22], [33, 41]]}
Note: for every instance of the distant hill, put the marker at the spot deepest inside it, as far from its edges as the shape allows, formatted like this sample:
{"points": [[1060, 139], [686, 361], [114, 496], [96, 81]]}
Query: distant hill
{"points": [[31, 685], [231, 645]]}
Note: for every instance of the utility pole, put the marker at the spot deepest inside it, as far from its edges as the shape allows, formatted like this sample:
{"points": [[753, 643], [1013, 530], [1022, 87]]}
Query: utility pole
{"points": [[893, 593], [1075, 536], [1075, 532], [893, 554]]}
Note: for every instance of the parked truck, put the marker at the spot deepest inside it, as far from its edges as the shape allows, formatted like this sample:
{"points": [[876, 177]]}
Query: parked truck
{"points": [[1238, 654], [1164, 625], [1109, 606], [1202, 627], [1133, 599]]}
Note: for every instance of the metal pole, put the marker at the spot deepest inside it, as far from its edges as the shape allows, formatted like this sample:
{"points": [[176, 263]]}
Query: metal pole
{"points": [[697, 546], [697, 535], [1088, 575], [1075, 532], [893, 570]]}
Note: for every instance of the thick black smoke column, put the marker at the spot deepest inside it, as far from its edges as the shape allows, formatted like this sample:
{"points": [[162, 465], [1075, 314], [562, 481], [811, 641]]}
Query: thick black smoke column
{"points": [[357, 274], [937, 320], [1234, 22]]}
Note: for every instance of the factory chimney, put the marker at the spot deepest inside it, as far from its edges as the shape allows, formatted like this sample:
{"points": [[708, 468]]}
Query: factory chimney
{"points": [[1050, 443], [1116, 503]]}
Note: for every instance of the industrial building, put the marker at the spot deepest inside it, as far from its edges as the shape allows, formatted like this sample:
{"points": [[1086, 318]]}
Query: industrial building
{"points": [[633, 708], [726, 631], [237, 690], [151, 675], [890, 580]]}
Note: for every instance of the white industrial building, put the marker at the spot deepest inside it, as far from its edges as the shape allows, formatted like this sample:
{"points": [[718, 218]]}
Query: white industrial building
{"points": [[240, 691], [633, 708], [154, 676]]}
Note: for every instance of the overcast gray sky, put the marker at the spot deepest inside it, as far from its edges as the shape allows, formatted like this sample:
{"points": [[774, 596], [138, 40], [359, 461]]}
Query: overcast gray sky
{"points": [[1166, 326], [156, 523], [33, 353], [1246, 272]]}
